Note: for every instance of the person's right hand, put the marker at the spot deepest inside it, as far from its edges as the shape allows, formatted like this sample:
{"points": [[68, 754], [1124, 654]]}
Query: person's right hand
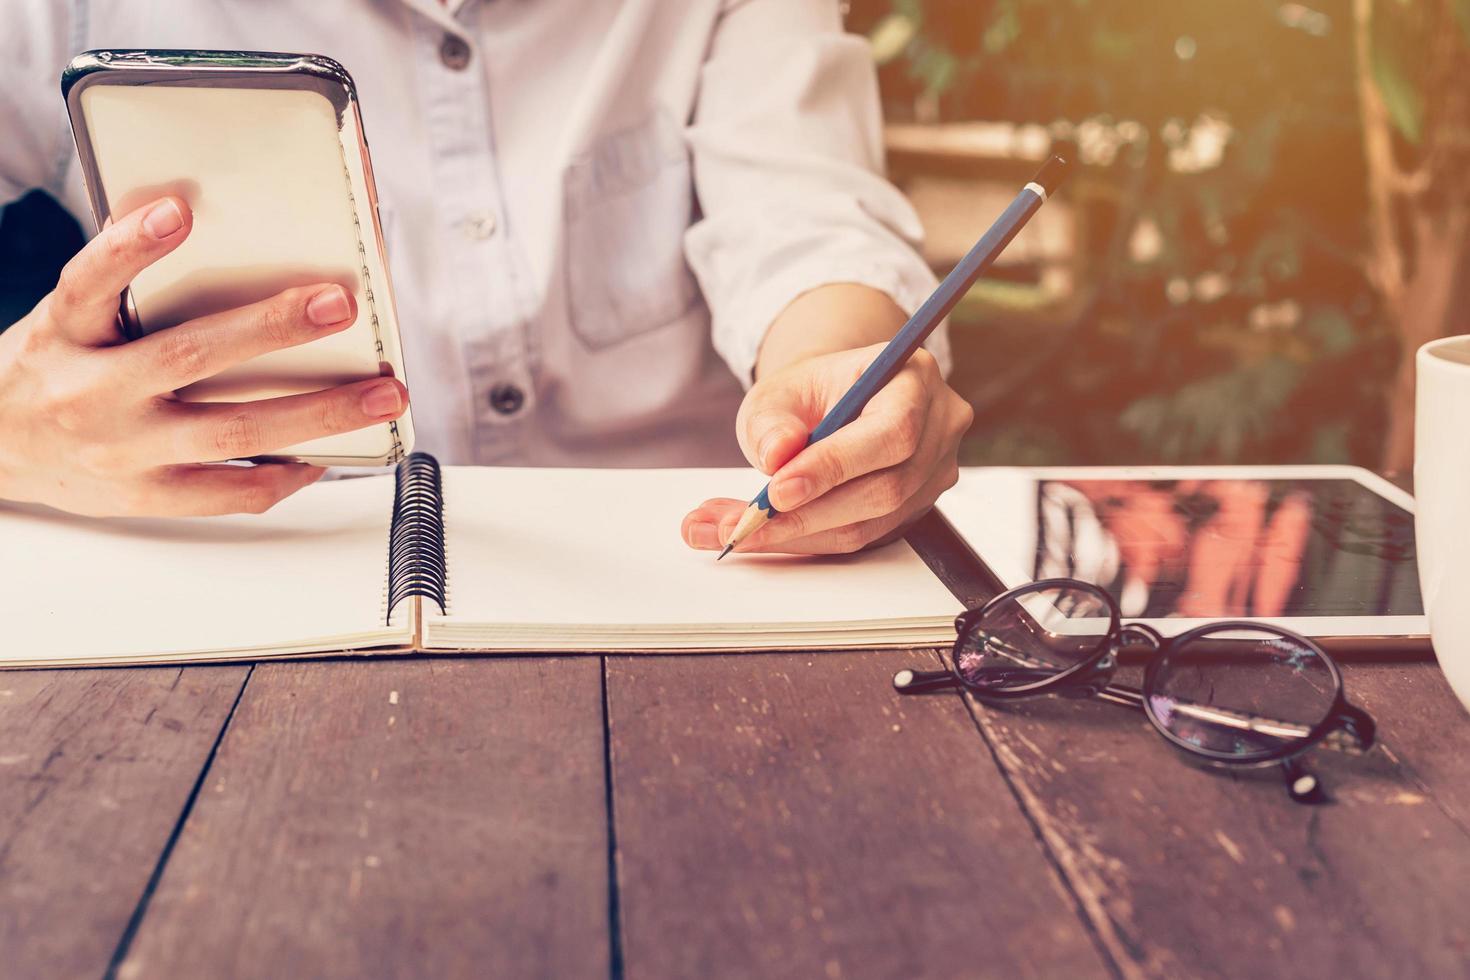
{"points": [[90, 424]]}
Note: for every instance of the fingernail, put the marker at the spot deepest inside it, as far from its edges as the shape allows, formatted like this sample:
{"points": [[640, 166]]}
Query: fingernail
{"points": [[793, 492], [164, 219], [328, 307], [382, 399], [704, 535]]}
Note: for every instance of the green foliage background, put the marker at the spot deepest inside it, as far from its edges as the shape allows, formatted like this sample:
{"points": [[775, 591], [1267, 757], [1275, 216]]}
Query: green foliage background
{"points": [[1286, 356]]}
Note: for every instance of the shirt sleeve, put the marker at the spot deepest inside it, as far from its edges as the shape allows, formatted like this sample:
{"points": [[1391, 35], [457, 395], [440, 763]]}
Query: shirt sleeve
{"points": [[35, 142], [787, 149]]}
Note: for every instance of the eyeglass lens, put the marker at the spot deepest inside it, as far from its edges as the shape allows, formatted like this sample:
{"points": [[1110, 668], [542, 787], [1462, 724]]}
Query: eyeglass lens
{"points": [[1033, 635], [1242, 692]]}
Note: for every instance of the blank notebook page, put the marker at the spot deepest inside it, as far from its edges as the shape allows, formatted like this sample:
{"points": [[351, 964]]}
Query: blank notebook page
{"points": [[596, 556], [307, 575]]}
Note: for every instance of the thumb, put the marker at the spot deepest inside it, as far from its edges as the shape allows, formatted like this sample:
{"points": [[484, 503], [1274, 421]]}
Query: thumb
{"points": [[770, 429]]}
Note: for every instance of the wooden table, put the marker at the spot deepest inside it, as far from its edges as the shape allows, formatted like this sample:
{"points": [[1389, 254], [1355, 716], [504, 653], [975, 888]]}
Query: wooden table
{"points": [[769, 815]]}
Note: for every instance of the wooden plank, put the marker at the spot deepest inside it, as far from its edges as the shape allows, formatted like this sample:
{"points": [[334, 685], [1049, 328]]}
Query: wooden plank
{"points": [[1423, 725], [1187, 872], [96, 767], [790, 815], [406, 817]]}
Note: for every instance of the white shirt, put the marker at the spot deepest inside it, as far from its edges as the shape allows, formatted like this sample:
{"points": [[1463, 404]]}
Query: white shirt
{"points": [[593, 209]]}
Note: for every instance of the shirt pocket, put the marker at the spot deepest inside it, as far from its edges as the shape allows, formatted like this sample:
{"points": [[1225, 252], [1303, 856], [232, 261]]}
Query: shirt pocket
{"points": [[626, 205]]}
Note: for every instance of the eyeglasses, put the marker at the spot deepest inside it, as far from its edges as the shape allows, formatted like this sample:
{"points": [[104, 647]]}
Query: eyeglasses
{"points": [[1231, 694]]}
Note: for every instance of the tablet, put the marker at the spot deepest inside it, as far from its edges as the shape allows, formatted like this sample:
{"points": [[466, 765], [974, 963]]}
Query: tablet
{"points": [[1327, 551]]}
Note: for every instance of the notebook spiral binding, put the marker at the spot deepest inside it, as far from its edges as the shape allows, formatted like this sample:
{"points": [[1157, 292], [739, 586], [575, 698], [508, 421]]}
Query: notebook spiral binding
{"points": [[416, 561]]}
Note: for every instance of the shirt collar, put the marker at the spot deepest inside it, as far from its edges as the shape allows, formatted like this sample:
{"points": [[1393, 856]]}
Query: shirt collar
{"points": [[443, 14]]}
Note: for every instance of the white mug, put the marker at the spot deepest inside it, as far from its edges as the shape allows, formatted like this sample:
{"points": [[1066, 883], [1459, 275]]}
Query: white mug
{"points": [[1442, 501]]}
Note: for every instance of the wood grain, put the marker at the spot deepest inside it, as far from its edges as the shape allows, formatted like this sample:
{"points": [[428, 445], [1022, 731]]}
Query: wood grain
{"points": [[791, 815], [1424, 727], [1199, 873], [95, 769], [1188, 872], [403, 817]]}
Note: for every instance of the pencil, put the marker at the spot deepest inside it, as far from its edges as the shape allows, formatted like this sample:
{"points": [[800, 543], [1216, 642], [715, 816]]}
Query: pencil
{"points": [[928, 316]]}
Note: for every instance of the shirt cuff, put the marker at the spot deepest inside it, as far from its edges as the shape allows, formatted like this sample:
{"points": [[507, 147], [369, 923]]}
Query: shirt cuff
{"points": [[907, 281]]}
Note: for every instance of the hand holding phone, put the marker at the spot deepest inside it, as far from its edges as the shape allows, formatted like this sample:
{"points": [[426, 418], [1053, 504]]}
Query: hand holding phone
{"points": [[93, 426], [270, 153]]}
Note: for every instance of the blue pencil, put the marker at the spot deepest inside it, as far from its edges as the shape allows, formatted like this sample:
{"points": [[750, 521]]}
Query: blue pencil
{"points": [[893, 357]]}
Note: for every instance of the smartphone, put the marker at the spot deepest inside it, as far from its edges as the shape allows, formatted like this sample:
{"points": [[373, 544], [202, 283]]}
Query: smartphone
{"points": [[269, 151]]}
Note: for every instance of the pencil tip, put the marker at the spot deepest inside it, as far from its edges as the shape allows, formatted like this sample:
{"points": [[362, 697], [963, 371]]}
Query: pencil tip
{"points": [[728, 548]]}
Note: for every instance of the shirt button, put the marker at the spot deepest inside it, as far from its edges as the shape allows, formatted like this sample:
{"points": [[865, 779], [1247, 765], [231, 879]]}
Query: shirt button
{"points": [[454, 52], [507, 399], [480, 225]]}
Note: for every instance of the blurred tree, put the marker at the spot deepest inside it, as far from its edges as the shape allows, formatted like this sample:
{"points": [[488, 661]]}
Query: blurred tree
{"points": [[1233, 314], [1413, 69]]}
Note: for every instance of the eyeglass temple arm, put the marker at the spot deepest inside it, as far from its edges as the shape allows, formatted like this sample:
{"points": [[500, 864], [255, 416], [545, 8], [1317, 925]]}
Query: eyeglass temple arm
{"points": [[1128, 697], [1301, 785], [921, 681], [1355, 735]]}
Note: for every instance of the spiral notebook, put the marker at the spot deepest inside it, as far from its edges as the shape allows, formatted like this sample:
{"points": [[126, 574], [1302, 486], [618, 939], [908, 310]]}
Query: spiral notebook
{"points": [[458, 559]]}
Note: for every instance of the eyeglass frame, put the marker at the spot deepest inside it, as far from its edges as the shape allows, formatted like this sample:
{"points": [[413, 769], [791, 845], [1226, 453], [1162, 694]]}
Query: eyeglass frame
{"points": [[1358, 727]]}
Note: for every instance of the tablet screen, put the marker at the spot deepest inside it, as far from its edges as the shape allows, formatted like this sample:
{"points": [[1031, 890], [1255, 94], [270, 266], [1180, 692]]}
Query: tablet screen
{"points": [[1280, 548]]}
